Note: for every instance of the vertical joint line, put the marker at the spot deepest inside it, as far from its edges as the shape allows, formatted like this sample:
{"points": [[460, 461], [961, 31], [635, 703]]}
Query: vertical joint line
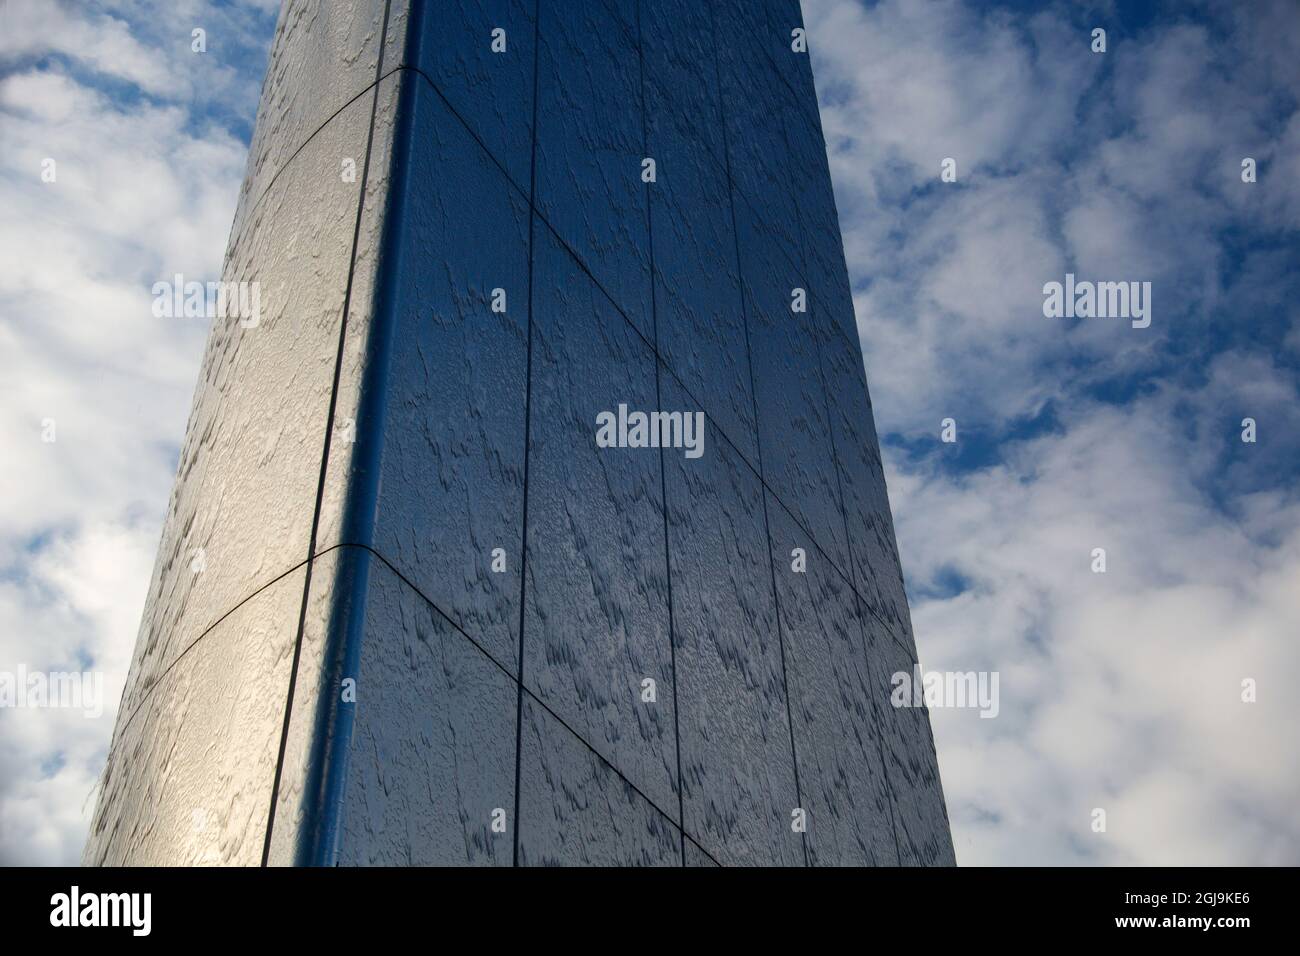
{"points": [[325, 453], [528, 419], [858, 601], [663, 481], [753, 395]]}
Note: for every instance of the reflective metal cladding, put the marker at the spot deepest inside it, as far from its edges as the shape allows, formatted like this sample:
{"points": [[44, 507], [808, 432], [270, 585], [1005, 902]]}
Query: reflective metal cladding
{"points": [[540, 517]]}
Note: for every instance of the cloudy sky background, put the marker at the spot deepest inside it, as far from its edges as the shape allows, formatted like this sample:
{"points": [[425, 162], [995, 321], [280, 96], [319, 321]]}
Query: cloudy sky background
{"points": [[1120, 691]]}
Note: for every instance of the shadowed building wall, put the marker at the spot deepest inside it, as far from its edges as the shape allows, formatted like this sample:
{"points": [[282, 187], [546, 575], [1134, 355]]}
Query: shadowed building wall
{"points": [[407, 608]]}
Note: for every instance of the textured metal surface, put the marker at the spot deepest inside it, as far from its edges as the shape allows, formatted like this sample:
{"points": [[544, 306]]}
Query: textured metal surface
{"points": [[323, 57], [188, 780], [491, 595], [920, 818], [697, 857], [701, 328], [590, 144], [574, 809], [794, 431], [875, 564], [596, 607], [356, 433], [242, 507], [433, 718], [737, 766], [448, 421], [491, 91], [836, 736]]}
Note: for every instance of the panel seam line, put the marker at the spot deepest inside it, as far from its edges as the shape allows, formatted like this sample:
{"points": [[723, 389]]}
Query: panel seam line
{"points": [[528, 418], [329, 429], [758, 446]]}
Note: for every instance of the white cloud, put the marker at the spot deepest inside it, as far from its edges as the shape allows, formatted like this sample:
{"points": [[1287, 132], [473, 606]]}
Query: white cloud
{"points": [[1112, 684], [1118, 690], [104, 44], [146, 187], [75, 608]]}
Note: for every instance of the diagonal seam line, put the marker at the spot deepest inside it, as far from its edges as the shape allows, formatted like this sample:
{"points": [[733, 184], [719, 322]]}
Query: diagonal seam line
{"points": [[251, 209], [532, 695], [478, 139], [314, 133], [799, 523], [849, 580], [149, 691], [573, 253], [582, 265], [722, 163], [888, 627], [325, 454]]}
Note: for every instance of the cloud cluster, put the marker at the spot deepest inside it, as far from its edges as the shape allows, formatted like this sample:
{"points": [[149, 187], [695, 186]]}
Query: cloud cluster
{"points": [[146, 143], [1119, 690]]}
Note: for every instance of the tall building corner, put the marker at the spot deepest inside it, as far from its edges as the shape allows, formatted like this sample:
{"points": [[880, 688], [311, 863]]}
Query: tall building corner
{"points": [[538, 517]]}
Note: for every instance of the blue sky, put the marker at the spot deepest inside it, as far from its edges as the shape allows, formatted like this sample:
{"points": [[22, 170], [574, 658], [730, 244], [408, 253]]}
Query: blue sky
{"points": [[1119, 691]]}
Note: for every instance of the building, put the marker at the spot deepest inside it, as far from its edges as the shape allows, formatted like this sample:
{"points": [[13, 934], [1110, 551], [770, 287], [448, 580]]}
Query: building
{"points": [[411, 605]]}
